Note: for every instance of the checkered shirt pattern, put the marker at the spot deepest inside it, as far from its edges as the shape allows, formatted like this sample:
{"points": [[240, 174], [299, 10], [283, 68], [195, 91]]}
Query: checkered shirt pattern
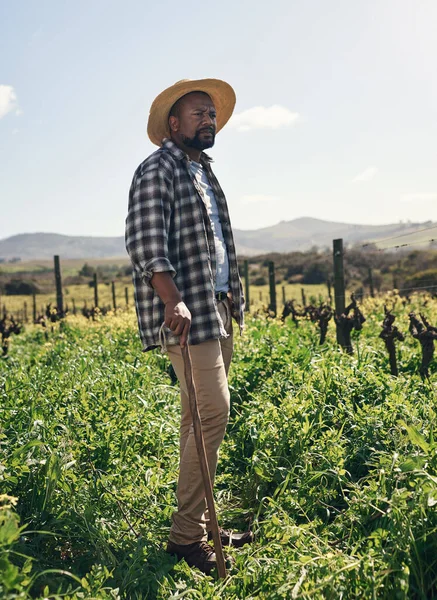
{"points": [[168, 229]]}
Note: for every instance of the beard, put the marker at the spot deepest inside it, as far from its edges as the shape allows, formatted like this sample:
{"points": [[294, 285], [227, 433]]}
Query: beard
{"points": [[197, 142]]}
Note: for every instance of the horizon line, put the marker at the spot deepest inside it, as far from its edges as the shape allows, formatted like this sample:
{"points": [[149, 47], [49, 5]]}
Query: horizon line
{"points": [[401, 222]]}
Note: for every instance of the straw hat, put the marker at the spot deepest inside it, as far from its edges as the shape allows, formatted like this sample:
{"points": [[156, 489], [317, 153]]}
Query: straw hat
{"points": [[220, 92]]}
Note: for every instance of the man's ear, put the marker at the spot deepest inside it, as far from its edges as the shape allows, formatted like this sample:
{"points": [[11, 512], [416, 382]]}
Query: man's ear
{"points": [[173, 123]]}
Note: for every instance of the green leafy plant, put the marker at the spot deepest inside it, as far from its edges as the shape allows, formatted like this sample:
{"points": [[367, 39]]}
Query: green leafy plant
{"points": [[331, 460]]}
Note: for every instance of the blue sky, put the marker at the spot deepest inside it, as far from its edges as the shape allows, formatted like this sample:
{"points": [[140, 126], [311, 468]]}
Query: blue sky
{"points": [[336, 113]]}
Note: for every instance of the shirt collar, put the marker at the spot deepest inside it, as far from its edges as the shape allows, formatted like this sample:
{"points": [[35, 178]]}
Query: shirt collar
{"points": [[171, 147]]}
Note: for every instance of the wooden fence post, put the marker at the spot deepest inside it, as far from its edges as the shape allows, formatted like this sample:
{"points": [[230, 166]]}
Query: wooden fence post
{"points": [[58, 281], [339, 290], [34, 307], [246, 285], [304, 300], [372, 290], [126, 295], [25, 312], [261, 296], [4, 311], [272, 285], [74, 306], [96, 291], [114, 303], [283, 295]]}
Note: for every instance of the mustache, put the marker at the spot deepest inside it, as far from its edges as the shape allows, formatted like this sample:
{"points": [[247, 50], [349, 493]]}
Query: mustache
{"points": [[208, 129]]}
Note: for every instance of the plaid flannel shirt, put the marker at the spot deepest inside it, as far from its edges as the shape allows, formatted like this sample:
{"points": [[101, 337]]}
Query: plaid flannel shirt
{"points": [[168, 229]]}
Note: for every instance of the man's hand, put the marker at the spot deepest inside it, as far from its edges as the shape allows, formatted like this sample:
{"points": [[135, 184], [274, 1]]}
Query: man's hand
{"points": [[177, 317]]}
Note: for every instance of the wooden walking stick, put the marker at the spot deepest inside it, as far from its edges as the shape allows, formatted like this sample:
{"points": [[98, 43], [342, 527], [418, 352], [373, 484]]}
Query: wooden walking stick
{"points": [[200, 445]]}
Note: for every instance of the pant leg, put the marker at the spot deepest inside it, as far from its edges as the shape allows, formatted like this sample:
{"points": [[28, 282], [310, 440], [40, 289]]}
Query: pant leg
{"points": [[227, 345], [210, 380]]}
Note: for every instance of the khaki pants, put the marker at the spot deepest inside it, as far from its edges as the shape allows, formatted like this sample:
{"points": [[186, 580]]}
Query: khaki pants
{"points": [[210, 361]]}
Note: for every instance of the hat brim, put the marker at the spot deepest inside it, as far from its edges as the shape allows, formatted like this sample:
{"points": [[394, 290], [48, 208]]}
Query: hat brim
{"points": [[220, 92]]}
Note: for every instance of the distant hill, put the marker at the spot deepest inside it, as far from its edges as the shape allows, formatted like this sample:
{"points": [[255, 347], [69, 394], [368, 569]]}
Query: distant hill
{"points": [[286, 236], [45, 245], [306, 232]]}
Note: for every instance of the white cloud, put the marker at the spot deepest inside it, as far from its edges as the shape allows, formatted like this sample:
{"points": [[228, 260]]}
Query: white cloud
{"points": [[419, 197], [254, 198], [366, 175], [8, 99], [261, 117]]}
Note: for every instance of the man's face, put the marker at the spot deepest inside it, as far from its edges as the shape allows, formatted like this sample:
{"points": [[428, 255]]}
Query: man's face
{"points": [[195, 121]]}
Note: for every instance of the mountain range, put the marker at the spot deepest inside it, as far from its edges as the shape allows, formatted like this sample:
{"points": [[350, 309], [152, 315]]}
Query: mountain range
{"points": [[287, 236]]}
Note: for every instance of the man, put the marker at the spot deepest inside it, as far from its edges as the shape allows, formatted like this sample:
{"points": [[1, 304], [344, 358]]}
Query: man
{"points": [[187, 285]]}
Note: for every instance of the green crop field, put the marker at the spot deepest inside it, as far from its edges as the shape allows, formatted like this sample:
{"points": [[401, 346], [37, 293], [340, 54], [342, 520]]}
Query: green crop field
{"points": [[330, 460]]}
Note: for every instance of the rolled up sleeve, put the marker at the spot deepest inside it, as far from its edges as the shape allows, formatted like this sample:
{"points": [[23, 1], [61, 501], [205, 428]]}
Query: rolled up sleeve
{"points": [[148, 221]]}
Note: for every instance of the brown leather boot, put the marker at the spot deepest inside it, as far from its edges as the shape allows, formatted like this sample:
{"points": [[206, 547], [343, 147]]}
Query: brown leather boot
{"points": [[231, 538], [197, 554]]}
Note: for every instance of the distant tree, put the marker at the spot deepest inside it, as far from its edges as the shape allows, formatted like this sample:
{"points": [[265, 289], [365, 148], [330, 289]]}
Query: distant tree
{"points": [[127, 270], [422, 279], [87, 271], [259, 281], [293, 269], [316, 272], [21, 287]]}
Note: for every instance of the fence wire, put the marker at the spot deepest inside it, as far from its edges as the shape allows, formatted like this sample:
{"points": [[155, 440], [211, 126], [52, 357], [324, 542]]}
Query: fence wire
{"points": [[406, 245], [395, 237]]}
